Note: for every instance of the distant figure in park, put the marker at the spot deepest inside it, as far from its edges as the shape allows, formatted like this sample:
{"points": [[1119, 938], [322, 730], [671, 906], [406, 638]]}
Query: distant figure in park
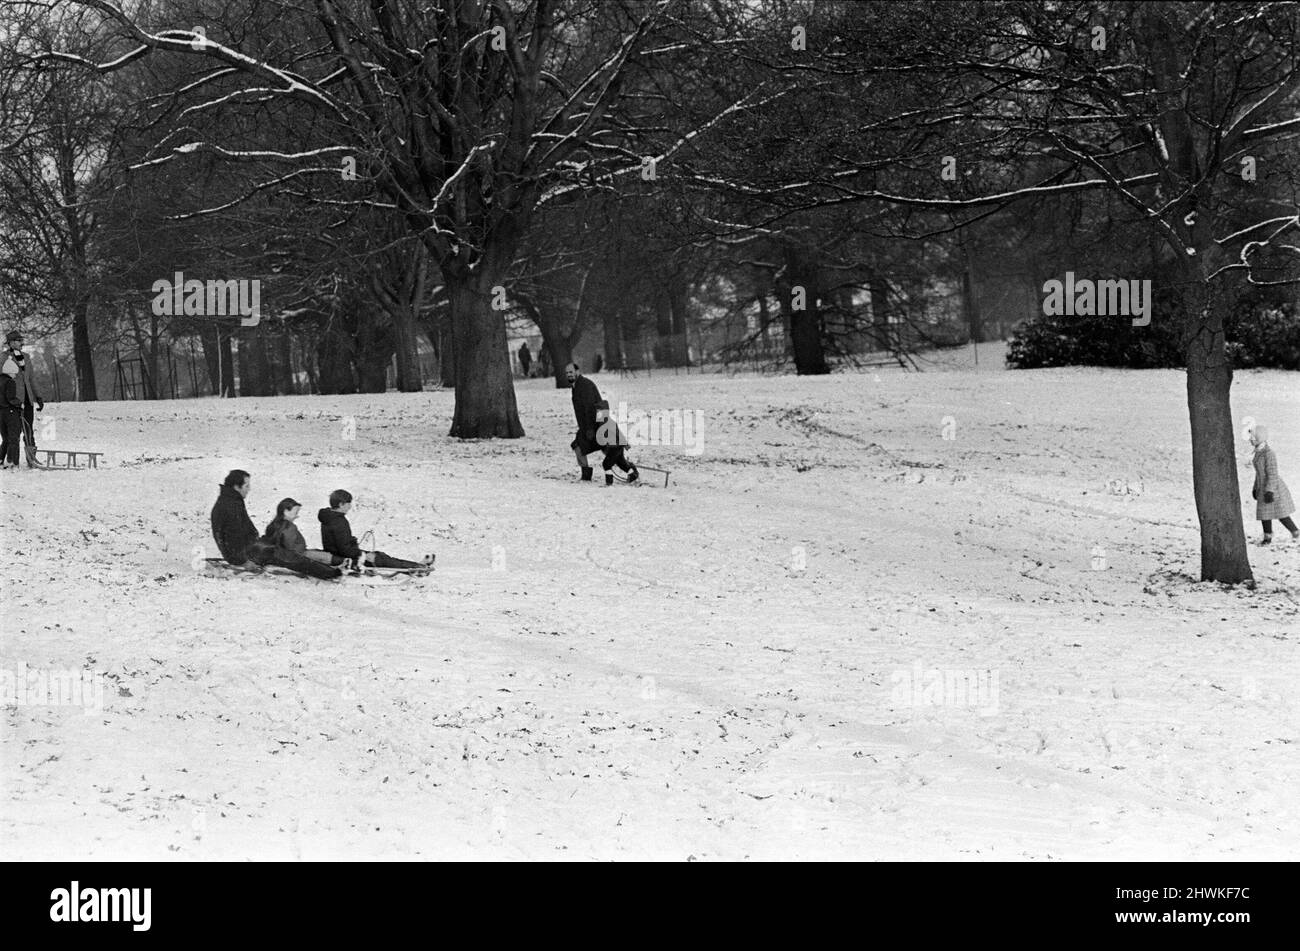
{"points": [[525, 358], [598, 364], [31, 400], [336, 538], [283, 533], [237, 540], [596, 432], [11, 415], [1272, 499]]}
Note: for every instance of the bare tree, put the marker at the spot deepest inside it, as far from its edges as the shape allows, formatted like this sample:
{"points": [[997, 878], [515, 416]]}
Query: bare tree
{"points": [[55, 173], [1166, 108], [461, 118]]}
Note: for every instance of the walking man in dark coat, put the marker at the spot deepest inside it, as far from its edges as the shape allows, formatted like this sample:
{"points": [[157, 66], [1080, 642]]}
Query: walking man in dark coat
{"points": [[237, 538], [26, 386], [595, 431], [525, 358]]}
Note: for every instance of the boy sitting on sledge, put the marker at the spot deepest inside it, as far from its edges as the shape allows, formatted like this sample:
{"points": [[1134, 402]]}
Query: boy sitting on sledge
{"points": [[336, 538]]}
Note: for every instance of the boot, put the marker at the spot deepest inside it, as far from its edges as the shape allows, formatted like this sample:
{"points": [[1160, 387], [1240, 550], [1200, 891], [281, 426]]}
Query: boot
{"points": [[586, 473]]}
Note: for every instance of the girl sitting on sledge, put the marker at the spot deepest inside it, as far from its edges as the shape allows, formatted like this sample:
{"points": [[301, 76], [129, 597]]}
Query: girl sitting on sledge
{"points": [[283, 533]]}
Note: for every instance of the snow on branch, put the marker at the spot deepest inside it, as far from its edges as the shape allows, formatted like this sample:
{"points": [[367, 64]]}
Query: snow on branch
{"points": [[252, 192], [243, 155], [1291, 220], [187, 41]]}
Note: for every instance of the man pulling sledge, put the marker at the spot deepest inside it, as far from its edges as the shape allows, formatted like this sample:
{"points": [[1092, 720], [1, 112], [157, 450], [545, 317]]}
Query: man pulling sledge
{"points": [[596, 431]]}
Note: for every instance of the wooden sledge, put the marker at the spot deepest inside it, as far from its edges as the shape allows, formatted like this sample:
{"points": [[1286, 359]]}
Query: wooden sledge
{"points": [[663, 472], [51, 458], [370, 579]]}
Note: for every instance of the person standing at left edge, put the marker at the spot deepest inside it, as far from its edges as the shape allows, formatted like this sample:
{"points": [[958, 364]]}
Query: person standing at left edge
{"points": [[26, 387]]}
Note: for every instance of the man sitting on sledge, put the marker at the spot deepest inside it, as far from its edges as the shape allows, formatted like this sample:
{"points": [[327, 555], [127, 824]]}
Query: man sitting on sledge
{"points": [[596, 431], [237, 540]]}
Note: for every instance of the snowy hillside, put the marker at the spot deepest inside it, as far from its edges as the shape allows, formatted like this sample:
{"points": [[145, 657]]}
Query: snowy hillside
{"points": [[884, 615]]}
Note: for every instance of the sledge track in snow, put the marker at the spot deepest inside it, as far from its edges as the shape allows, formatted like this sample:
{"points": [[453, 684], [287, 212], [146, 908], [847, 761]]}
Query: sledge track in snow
{"points": [[992, 765]]}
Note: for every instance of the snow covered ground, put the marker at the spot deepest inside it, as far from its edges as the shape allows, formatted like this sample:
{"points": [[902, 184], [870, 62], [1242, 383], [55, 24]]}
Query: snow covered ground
{"points": [[836, 634]]}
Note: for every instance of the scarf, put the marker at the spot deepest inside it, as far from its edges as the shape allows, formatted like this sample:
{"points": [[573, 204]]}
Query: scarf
{"points": [[19, 361]]}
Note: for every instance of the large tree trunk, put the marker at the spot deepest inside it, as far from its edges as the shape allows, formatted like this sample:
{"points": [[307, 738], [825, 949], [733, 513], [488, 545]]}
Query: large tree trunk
{"points": [[372, 374], [154, 363], [446, 352], [77, 287], [970, 289], [805, 328], [485, 393], [334, 359], [560, 350], [679, 304], [809, 358], [400, 304], [409, 379], [284, 382], [309, 354], [557, 344], [373, 354], [243, 363], [81, 352], [211, 357], [254, 368], [226, 352], [670, 321], [612, 320], [1205, 301], [1214, 465]]}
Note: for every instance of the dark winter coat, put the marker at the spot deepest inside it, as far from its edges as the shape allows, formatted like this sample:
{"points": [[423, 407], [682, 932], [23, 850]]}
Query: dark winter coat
{"points": [[585, 399], [232, 529], [11, 420], [27, 394], [10, 395], [336, 534], [285, 535], [1267, 480]]}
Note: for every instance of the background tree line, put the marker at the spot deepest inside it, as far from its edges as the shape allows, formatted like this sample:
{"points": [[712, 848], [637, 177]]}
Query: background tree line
{"points": [[799, 180]]}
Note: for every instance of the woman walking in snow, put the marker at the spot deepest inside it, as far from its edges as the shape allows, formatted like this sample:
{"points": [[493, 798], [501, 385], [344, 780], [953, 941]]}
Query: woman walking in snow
{"points": [[1272, 500]]}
